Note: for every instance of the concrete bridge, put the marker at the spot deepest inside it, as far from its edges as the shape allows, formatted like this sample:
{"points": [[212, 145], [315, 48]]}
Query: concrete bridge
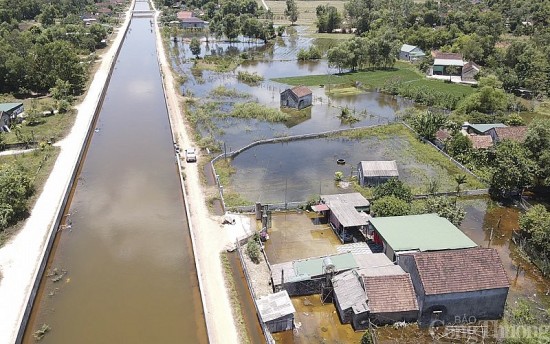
{"points": [[143, 13]]}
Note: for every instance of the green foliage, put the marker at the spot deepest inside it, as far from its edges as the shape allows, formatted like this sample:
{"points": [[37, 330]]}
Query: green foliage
{"points": [[258, 111], [328, 18], [16, 187], [346, 117], [253, 250], [445, 207], [357, 53], [313, 53], [427, 123], [512, 169], [459, 146], [535, 225], [291, 11], [393, 187], [249, 78], [195, 46], [390, 206], [487, 100], [366, 338], [338, 176], [514, 120], [537, 142]]}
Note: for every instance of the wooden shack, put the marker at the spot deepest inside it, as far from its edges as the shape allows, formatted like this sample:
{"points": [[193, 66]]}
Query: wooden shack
{"points": [[298, 97]]}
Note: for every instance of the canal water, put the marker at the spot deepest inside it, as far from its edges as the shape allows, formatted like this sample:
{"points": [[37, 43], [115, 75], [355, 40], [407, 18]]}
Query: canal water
{"points": [[122, 270]]}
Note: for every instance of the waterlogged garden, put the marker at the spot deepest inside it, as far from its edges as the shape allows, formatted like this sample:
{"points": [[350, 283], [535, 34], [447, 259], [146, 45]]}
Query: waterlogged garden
{"points": [[232, 98]]}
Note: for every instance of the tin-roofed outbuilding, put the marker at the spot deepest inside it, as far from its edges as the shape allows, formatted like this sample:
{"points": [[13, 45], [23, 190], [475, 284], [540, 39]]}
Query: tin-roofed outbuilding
{"points": [[277, 311], [348, 215], [373, 173]]}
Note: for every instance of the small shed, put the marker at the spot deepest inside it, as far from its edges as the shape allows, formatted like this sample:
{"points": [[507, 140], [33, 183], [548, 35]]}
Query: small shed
{"points": [[410, 53], [448, 284], [277, 311], [8, 113], [373, 173], [426, 232], [298, 97], [347, 214]]}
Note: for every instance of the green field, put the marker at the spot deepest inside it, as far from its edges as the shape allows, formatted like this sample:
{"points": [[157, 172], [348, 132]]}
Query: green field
{"points": [[307, 16], [377, 79]]}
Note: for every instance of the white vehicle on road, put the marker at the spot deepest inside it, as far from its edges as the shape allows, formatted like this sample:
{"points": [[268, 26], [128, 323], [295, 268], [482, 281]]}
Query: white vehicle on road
{"points": [[190, 154]]}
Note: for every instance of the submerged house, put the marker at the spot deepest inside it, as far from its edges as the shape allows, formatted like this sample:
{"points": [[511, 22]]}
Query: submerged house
{"points": [[417, 233], [298, 97], [380, 292], [373, 173], [450, 284], [516, 134], [276, 311], [410, 53], [348, 215], [188, 20]]}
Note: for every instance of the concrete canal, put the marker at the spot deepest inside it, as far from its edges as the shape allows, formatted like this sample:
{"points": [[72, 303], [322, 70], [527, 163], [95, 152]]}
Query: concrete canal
{"points": [[122, 268]]}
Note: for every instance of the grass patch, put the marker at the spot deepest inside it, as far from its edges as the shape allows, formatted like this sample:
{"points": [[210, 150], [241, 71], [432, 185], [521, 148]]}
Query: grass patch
{"points": [[234, 199], [258, 111], [217, 63], [234, 299], [419, 153], [53, 127], [224, 170], [39, 163], [222, 91], [249, 78], [344, 91], [307, 16]]}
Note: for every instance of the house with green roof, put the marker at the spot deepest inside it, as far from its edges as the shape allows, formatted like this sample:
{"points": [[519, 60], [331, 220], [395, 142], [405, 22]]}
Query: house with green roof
{"points": [[8, 113], [417, 233]]}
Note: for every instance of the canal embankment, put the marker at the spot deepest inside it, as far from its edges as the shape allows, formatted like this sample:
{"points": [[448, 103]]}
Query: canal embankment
{"points": [[23, 259], [207, 234]]}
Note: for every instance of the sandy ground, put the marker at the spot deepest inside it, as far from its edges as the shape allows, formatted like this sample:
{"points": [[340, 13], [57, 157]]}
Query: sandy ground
{"points": [[20, 258], [209, 236]]}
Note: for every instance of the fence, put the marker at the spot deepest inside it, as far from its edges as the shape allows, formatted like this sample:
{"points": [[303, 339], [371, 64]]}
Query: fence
{"points": [[268, 338], [540, 261]]}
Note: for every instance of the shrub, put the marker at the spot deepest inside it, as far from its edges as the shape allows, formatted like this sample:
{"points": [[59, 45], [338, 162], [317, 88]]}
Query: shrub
{"points": [[253, 250]]}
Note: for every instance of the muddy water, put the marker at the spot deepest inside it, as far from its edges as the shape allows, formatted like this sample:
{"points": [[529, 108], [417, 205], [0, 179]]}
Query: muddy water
{"points": [[125, 267]]}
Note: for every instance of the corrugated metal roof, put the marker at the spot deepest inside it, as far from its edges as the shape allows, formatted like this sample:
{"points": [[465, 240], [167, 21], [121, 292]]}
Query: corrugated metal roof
{"points": [[315, 266], [481, 128], [348, 290], [344, 208], [448, 62], [427, 232], [9, 106], [379, 168], [275, 306], [376, 264], [354, 248], [408, 48], [460, 270], [300, 91]]}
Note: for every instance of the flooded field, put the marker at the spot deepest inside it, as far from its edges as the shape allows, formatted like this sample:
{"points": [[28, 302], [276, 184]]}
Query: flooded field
{"points": [[122, 270]]}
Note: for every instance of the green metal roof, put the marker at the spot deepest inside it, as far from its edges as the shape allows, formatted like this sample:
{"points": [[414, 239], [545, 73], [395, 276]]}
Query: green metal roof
{"points": [[9, 106], [484, 127], [427, 232], [314, 266]]}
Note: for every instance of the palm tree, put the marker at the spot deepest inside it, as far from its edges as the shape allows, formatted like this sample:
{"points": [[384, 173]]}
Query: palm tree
{"points": [[460, 179]]}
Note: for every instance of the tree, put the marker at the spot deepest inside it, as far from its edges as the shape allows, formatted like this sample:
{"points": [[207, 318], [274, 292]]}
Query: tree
{"points": [[328, 18], [15, 189], [445, 207], [195, 47], [393, 187], [291, 11], [253, 250], [390, 206], [427, 123], [537, 141], [535, 225], [231, 26], [512, 169], [459, 146]]}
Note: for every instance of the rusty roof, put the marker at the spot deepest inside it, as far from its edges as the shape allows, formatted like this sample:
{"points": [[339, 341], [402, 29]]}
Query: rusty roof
{"points": [[512, 133], [184, 14], [300, 91], [388, 294], [459, 271], [447, 56], [442, 134], [481, 141]]}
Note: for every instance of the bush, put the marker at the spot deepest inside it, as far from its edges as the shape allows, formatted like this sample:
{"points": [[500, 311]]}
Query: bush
{"points": [[253, 250], [313, 53], [366, 338], [250, 78]]}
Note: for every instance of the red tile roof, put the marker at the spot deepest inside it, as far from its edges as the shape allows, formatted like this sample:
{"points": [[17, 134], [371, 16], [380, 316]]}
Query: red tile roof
{"points": [[184, 14], [301, 91], [457, 271], [388, 294], [442, 134], [447, 56], [481, 141], [512, 133]]}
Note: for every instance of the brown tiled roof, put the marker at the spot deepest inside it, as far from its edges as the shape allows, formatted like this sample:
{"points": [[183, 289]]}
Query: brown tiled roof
{"points": [[442, 134], [387, 294], [301, 91], [481, 141], [184, 14], [512, 133], [457, 271], [469, 66], [447, 56]]}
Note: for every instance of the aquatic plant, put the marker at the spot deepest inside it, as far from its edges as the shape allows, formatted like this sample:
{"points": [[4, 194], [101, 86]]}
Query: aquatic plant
{"points": [[249, 78], [258, 111], [40, 333]]}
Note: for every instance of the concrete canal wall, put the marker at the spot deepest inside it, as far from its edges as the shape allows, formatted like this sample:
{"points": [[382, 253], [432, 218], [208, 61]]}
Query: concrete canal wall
{"points": [[96, 95]]}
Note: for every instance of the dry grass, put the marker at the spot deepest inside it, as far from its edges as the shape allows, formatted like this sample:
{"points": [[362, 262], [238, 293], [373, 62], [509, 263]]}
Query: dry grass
{"points": [[307, 15]]}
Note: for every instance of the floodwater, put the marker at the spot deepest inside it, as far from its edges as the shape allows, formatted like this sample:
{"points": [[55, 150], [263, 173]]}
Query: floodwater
{"points": [[124, 267]]}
